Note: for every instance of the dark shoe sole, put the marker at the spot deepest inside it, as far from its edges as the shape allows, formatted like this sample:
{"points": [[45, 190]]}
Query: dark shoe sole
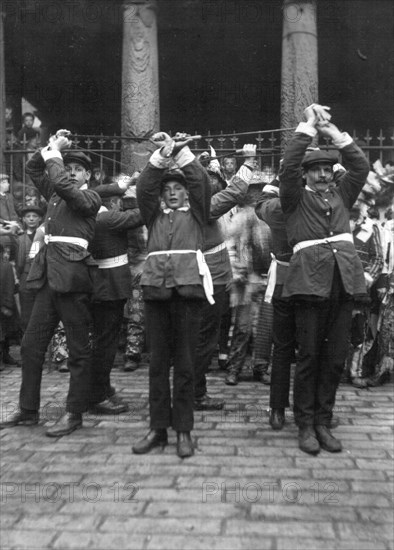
{"points": [[185, 454], [206, 407], [149, 449], [108, 412], [62, 433]]}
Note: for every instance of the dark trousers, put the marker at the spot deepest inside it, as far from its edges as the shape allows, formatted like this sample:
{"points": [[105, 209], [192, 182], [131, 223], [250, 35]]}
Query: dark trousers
{"points": [[50, 307], [323, 332], [27, 299], [208, 338], [107, 322], [172, 333], [284, 330]]}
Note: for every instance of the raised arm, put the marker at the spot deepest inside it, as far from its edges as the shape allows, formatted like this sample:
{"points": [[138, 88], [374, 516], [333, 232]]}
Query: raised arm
{"points": [[225, 200], [356, 164], [291, 183]]}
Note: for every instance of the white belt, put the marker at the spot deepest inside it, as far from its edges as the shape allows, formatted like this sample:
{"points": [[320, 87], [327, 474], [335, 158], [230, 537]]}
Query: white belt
{"points": [[115, 261], [271, 278], [70, 240], [215, 249], [335, 238], [203, 269]]}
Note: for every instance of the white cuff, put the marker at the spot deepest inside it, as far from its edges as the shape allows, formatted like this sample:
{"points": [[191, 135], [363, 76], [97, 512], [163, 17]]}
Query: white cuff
{"points": [[271, 189], [368, 277], [184, 157], [307, 129], [342, 140], [158, 161], [50, 154], [245, 174]]}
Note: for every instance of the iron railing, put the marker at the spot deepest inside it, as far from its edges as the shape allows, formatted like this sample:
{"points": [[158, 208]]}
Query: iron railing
{"points": [[105, 151]]}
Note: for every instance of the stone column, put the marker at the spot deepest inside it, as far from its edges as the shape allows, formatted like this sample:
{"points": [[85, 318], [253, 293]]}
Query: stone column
{"points": [[140, 81], [299, 87], [2, 90]]}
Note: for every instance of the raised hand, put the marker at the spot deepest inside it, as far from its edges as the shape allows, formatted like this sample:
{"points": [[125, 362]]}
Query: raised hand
{"points": [[316, 113]]}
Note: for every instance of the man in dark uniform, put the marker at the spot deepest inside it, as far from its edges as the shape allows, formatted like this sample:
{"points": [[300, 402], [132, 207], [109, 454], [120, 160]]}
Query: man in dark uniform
{"points": [[218, 261], [325, 272], [61, 272], [269, 210], [111, 288]]}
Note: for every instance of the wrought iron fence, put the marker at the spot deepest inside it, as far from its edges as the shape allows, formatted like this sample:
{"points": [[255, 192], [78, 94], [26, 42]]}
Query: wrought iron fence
{"points": [[105, 151]]}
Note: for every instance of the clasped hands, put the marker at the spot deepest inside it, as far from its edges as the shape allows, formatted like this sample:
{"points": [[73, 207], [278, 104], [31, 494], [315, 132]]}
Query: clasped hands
{"points": [[318, 117], [171, 146]]}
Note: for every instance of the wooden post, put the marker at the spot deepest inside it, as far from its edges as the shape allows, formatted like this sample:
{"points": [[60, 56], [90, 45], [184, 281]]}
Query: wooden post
{"points": [[140, 81]]}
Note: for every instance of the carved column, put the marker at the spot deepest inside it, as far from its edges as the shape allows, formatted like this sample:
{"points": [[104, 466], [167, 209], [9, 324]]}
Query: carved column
{"points": [[140, 81], [2, 90], [299, 87]]}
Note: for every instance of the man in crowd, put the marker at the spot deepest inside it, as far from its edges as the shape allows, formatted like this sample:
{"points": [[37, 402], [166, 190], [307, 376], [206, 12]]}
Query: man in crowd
{"points": [[61, 272], [325, 272]]}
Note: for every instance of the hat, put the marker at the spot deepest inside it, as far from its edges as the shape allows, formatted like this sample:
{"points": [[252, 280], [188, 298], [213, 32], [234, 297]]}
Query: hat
{"points": [[315, 157], [32, 208], [78, 157], [174, 174]]}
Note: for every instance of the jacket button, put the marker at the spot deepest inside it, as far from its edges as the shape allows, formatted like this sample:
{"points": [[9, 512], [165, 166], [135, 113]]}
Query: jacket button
{"points": [[335, 250]]}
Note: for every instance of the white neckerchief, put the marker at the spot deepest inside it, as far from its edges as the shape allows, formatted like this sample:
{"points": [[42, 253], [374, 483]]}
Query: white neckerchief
{"points": [[182, 209]]}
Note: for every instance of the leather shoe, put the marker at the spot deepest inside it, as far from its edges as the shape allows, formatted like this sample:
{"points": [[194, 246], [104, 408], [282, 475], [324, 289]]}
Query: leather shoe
{"points": [[327, 441], [361, 383], [307, 440], [108, 407], [66, 424], [20, 418], [184, 445], [277, 418], [231, 379], [154, 438], [208, 403]]}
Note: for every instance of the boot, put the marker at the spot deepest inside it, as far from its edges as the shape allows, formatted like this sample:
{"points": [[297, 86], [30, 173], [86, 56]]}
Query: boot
{"points": [[208, 403], [184, 445], [154, 438], [327, 441], [277, 418], [231, 377], [22, 417], [307, 440], [67, 423]]}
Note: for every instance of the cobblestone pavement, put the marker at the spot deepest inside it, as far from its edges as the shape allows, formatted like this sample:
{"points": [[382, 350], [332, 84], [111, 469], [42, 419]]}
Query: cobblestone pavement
{"points": [[246, 487]]}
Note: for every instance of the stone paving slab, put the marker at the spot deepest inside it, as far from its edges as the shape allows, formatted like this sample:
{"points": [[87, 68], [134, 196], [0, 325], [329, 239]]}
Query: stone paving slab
{"points": [[247, 487]]}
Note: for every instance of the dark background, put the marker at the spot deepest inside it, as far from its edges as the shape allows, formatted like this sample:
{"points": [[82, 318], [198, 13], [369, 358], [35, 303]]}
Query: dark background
{"points": [[219, 61]]}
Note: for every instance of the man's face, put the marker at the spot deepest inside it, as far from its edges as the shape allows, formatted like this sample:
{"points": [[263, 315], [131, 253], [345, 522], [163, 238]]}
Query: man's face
{"points": [[32, 220], [229, 165], [4, 185], [319, 176], [28, 121], [77, 173], [174, 194]]}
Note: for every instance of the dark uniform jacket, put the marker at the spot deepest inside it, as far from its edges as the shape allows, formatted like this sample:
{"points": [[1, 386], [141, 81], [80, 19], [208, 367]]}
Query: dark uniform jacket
{"points": [[269, 209], [312, 215], [72, 213], [110, 241], [169, 229]]}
